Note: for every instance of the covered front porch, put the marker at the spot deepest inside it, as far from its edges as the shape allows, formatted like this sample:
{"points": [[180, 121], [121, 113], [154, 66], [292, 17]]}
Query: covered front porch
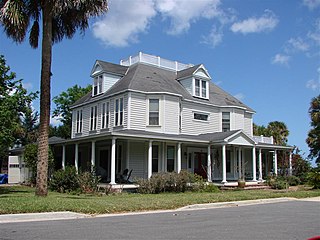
{"points": [[221, 158]]}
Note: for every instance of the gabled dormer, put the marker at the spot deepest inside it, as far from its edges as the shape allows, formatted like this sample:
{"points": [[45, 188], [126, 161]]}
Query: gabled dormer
{"points": [[105, 75], [196, 81]]}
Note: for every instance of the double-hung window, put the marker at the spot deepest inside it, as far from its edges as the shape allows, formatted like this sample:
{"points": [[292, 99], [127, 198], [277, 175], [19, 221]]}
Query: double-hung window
{"points": [[200, 89], [79, 121], [93, 118], [118, 112], [97, 85], [154, 112], [105, 115], [225, 121]]}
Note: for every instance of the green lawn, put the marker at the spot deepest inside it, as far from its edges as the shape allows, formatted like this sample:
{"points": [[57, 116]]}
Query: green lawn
{"points": [[20, 199]]}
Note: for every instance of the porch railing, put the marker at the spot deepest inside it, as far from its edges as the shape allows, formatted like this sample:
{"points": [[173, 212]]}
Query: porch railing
{"points": [[154, 60], [263, 139]]}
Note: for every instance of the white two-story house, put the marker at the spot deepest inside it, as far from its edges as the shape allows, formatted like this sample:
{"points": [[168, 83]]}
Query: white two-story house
{"points": [[151, 115]]}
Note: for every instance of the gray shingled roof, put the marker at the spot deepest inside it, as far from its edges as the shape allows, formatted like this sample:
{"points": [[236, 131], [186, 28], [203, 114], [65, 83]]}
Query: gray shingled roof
{"points": [[187, 72], [147, 78], [113, 68]]}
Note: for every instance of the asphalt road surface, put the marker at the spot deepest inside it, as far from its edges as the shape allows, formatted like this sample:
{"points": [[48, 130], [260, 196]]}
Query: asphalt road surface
{"points": [[283, 220]]}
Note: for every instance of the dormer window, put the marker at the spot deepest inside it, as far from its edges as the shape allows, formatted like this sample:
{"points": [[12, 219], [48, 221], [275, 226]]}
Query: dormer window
{"points": [[97, 85], [201, 88]]}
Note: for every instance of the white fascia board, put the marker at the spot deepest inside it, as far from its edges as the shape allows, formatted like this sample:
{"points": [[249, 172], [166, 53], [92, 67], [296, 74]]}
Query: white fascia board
{"points": [[274, 147], [214, 105]]}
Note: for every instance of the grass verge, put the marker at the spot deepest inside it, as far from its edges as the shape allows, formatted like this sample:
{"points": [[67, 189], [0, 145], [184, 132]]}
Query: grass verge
{"points": [[21, 199]]}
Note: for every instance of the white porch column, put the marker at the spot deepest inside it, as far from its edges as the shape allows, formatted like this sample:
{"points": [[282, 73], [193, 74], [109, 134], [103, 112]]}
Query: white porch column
{"points": [[254, 164], [290, 163], [275, 163], [209, 165], [113, 161], [260, 165], [150, 160], [179, 157], [224, 164], [164, 157], [63, 157], [239, 162], [93, 154], [76, 156]]}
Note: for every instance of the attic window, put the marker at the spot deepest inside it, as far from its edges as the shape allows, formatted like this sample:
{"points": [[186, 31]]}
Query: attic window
{"points": [[97, 85], [201, 88]]}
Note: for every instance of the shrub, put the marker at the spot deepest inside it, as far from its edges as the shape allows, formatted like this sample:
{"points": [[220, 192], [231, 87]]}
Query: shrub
{"points": [[277, 183], [64, 180], [174, 182], [314, 177], [88, 182], [293, 180]]}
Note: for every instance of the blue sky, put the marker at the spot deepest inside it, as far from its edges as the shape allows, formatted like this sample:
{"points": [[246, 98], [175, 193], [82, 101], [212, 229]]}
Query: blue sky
{"points": [[264, 52]]}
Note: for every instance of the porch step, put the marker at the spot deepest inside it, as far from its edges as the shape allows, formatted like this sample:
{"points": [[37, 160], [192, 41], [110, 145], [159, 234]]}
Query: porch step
{"points": [[247, 187]]}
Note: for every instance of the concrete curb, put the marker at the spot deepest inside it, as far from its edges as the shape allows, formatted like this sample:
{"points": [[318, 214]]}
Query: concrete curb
{"points": [[46, 216], [49, 216]]}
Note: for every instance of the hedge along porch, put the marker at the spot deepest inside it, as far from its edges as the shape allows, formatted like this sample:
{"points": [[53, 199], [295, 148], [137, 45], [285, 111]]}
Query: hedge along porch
{"points": [[219, 157]]}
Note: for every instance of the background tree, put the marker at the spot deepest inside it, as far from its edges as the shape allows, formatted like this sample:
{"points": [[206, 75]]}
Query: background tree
{"points": [[63, 102], [30, 126], [14, 104], [278, 130], [300, 166], [60, 18], [31, 159], [313, 139]]}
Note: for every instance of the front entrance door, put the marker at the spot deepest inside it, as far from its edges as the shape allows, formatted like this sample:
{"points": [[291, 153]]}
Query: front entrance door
{"points": [[200, 164]]}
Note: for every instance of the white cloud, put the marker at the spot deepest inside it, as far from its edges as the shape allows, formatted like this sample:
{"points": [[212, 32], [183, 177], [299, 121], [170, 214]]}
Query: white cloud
{"points": [[127, 19], [315, 34], [124, 21], [55, 121], [214, 38], [27, 85], [280, 59], [313, 84], [311, 4], [296, 44], [239, 96], [182, 13], [267, 22]]}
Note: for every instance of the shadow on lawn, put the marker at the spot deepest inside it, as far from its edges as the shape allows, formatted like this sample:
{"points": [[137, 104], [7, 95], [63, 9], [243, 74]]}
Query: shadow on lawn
{"points": [[12, 190]]}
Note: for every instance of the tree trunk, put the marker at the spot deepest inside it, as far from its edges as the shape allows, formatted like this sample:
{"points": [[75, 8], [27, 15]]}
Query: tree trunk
{"points": [[43, 145]]}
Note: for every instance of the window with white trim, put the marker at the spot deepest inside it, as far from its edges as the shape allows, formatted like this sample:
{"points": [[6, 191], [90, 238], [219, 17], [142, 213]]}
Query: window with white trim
{"points": [[154, 112], [105, 114], [225, 121], [97, 85], [200, 116], [79, 122], [93, 118], [118, 112], [200, 88]]}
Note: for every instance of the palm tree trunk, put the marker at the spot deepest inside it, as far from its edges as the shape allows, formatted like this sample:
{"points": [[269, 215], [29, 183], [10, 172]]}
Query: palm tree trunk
{"points": [[43, 145]]}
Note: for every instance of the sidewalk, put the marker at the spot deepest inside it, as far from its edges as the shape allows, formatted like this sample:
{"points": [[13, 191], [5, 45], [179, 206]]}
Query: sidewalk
{"points": [[49, 216]]}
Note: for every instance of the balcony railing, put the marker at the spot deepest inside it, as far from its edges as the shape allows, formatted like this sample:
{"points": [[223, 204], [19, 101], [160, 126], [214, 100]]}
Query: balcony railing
{"points": [[263, 139], [154, 60]]}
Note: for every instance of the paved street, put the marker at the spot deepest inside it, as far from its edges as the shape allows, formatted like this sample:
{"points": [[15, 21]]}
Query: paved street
{"points": [[294, 219]]}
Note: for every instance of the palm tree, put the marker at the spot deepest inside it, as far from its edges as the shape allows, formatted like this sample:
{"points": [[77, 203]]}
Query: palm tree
{"points": [[60, 18], [313, 139], [279, 131]]}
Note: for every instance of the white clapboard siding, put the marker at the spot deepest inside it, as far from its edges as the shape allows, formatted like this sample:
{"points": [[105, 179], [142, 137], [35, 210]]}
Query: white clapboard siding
{"points": [[238, 119], [187, 83], [138, 112], [171, 111], [109, 80], [191, 126], [137, 159], [248, 128]]}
